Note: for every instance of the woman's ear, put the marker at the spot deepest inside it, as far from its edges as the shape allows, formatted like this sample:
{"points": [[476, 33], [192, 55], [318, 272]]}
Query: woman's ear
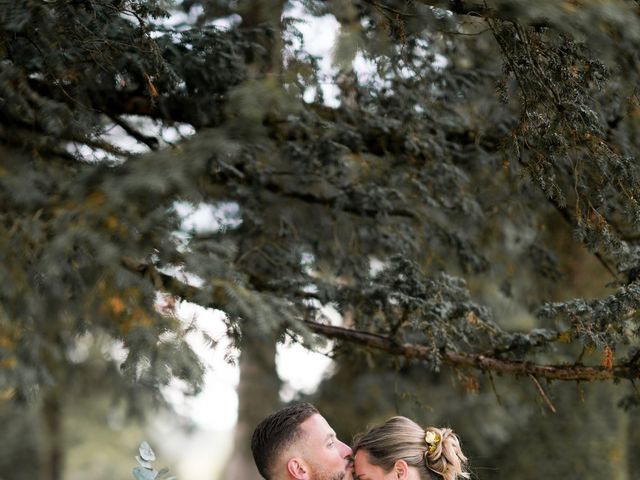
{"points": [[297, 469], [402, 469]]}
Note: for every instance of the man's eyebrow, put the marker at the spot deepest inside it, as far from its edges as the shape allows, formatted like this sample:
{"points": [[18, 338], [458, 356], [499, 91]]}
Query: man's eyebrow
{"points": [[331, 435]]}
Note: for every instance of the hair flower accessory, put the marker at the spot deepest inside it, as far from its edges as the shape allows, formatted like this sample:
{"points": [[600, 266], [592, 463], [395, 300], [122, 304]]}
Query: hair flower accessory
{"points": [[432, 439]]}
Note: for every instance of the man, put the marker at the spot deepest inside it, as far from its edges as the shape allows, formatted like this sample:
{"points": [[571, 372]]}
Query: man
{"points": [[297, 443]]}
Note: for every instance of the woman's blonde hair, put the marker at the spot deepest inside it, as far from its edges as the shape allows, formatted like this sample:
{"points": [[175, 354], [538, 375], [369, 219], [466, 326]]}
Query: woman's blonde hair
{"points": [[437, 452]]}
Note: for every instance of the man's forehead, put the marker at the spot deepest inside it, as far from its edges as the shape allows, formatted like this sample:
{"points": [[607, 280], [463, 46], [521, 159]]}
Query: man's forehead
{"points": [[317, 427]]}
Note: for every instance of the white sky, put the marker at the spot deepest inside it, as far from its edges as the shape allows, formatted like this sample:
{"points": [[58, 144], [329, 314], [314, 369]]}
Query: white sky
{"points": [[215, 408], [202, 454]]}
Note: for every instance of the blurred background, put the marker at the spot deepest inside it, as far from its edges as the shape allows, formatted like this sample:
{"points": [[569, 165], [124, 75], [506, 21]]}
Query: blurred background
{"points": [[188, 186]]}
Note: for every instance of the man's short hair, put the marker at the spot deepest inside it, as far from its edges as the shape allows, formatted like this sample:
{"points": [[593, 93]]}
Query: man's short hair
{"points": [[277, 432]]}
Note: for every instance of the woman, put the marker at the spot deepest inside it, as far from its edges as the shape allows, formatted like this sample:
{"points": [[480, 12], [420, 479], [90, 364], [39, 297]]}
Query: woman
{"points": [[400, 449]]}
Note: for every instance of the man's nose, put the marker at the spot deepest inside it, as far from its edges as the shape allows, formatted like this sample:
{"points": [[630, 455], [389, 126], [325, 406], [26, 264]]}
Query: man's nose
{"points": [[345, 450]]}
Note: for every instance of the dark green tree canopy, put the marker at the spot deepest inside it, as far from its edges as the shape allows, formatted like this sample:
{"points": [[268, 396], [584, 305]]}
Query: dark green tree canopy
{"points": [[490, 158]]}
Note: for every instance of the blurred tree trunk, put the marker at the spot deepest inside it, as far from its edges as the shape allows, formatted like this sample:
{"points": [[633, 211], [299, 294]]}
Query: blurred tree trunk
{"points": [[633, 443], [54, 444], [258, 393], [21, 452], [259, 384], [257, 13]]}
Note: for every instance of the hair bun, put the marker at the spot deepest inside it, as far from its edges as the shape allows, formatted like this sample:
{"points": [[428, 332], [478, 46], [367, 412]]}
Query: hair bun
{"points": [[443, 454]]}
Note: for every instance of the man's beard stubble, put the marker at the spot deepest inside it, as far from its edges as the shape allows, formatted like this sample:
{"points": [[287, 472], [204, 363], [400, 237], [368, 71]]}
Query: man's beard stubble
{"points": [[320, 474]]}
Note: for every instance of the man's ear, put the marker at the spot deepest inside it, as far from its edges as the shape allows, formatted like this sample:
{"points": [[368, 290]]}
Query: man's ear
{"points": [[297, 469], [401, 468]]}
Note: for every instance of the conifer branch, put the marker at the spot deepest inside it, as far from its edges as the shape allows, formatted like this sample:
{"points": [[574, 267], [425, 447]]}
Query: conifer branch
{"points": [[470, 360], [483, 362]]}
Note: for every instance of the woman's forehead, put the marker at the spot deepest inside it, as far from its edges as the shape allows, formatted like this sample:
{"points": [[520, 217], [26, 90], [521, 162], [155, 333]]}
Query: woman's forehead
{"points": [[360, 457]]}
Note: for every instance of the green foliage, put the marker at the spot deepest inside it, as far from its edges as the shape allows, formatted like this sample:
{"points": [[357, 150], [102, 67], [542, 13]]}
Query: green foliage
{"points": [[488, 156], [410, 307]]}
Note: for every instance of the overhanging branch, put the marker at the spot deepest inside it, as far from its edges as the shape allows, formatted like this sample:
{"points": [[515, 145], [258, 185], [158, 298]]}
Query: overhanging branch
{"points": [[477, 361], [460, 7], [387, 345]]}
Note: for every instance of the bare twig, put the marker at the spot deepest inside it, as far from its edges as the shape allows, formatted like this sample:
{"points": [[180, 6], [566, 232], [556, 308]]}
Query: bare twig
{"points": [[493, 387], [542, 393]]}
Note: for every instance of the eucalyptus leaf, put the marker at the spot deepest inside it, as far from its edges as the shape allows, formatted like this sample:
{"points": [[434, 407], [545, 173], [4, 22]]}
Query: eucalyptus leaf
{"points": [[144, 462], [141, 473], [146, 452]]}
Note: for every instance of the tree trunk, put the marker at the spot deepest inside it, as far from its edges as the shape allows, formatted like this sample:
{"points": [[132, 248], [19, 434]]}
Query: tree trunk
{"points": [[54, 444], [258, 392], [256, 13], [259, 385], [633, 442]]}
